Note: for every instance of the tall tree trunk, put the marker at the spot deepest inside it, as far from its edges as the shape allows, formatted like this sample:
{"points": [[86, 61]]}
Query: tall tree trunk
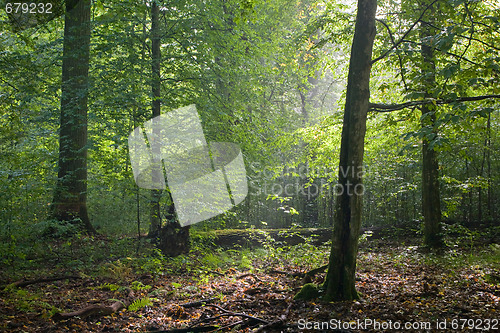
{"points": [[488, 164], [469, 192], [155, 215], [173, 239], [340, 280], [70, 196], [480, 188], [431, 206]]}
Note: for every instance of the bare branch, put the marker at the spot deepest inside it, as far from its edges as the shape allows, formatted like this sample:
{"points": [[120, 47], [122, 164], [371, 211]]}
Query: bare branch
{"points": [[376, 107], [405, 34], [401, 67]]}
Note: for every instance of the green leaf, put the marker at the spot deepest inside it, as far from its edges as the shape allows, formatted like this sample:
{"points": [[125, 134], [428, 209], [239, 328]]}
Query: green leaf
{"points": [[140, 303]]}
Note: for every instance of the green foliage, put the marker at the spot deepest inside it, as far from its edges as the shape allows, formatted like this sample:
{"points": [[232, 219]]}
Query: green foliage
{"points": [[269, 76], [213, 260], [108, 286], [138, 285], [140, 303], [202, 241], [117, 270], [153, 263], [492, 278], [58, 229], [29, 302], [245, 261], [459, 235], [365, 237]]}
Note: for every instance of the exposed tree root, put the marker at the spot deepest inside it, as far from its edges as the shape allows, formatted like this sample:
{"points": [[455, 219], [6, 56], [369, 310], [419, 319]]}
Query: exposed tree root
{"points": [[190, 330], [315, 271], [247, 275], [96, 310], [277, 323], [227, 313], [198, 303], [246, 322]]}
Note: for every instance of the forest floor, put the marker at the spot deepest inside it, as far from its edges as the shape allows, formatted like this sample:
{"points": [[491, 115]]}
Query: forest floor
{"points": [[250, 290]]}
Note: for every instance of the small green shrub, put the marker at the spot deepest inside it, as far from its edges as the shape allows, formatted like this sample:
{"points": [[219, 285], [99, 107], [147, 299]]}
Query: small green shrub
{"points": [[116, 270], [108, 286], [138, 285]]}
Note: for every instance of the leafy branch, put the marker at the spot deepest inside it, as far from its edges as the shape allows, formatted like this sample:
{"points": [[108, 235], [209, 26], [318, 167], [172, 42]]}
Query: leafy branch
{"points": [[402, 39]]}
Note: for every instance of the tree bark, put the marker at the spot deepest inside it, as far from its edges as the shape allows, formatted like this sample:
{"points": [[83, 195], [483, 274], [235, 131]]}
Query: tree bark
{"points": [[70, 196], [155, 215], [340, 279], [173, 239], [431, 199], [488, 161]]}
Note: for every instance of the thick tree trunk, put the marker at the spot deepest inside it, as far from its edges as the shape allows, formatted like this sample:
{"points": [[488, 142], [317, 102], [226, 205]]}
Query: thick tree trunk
{"points": [[70, 196], [174, 239], [431, 206], [431, 199], [340, 280]]}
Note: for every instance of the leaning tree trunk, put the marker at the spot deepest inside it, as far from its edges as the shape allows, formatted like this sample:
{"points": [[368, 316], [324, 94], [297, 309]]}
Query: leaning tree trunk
{"points": [[340, 280], [70, 196], [431, 206]]}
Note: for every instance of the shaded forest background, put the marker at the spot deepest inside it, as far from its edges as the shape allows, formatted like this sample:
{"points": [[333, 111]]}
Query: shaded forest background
{"points": [[269, 76]]}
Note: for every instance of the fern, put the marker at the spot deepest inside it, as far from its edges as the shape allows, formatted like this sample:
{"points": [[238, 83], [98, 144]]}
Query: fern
{"points": [[137, 285], [107, 286], [140, 303]]}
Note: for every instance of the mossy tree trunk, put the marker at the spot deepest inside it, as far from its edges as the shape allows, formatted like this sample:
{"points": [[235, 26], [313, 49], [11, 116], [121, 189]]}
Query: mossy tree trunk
{"points": [[340, 280], [431, 206]]}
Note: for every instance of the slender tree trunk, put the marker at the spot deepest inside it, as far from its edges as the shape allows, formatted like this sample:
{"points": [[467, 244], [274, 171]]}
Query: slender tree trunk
{"points": [[480, 188], [488, 167], [155, 215], [469, 193], [340, 280], [173, 239], [70, 195], [431, 206], [308, 202]]}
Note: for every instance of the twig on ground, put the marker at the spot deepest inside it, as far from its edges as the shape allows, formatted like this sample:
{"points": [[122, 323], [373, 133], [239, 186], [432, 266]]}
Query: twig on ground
{"points": [[277, 323], [236, 314], [96, 310], [198, 303], [249, 274], [24, 283]]}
